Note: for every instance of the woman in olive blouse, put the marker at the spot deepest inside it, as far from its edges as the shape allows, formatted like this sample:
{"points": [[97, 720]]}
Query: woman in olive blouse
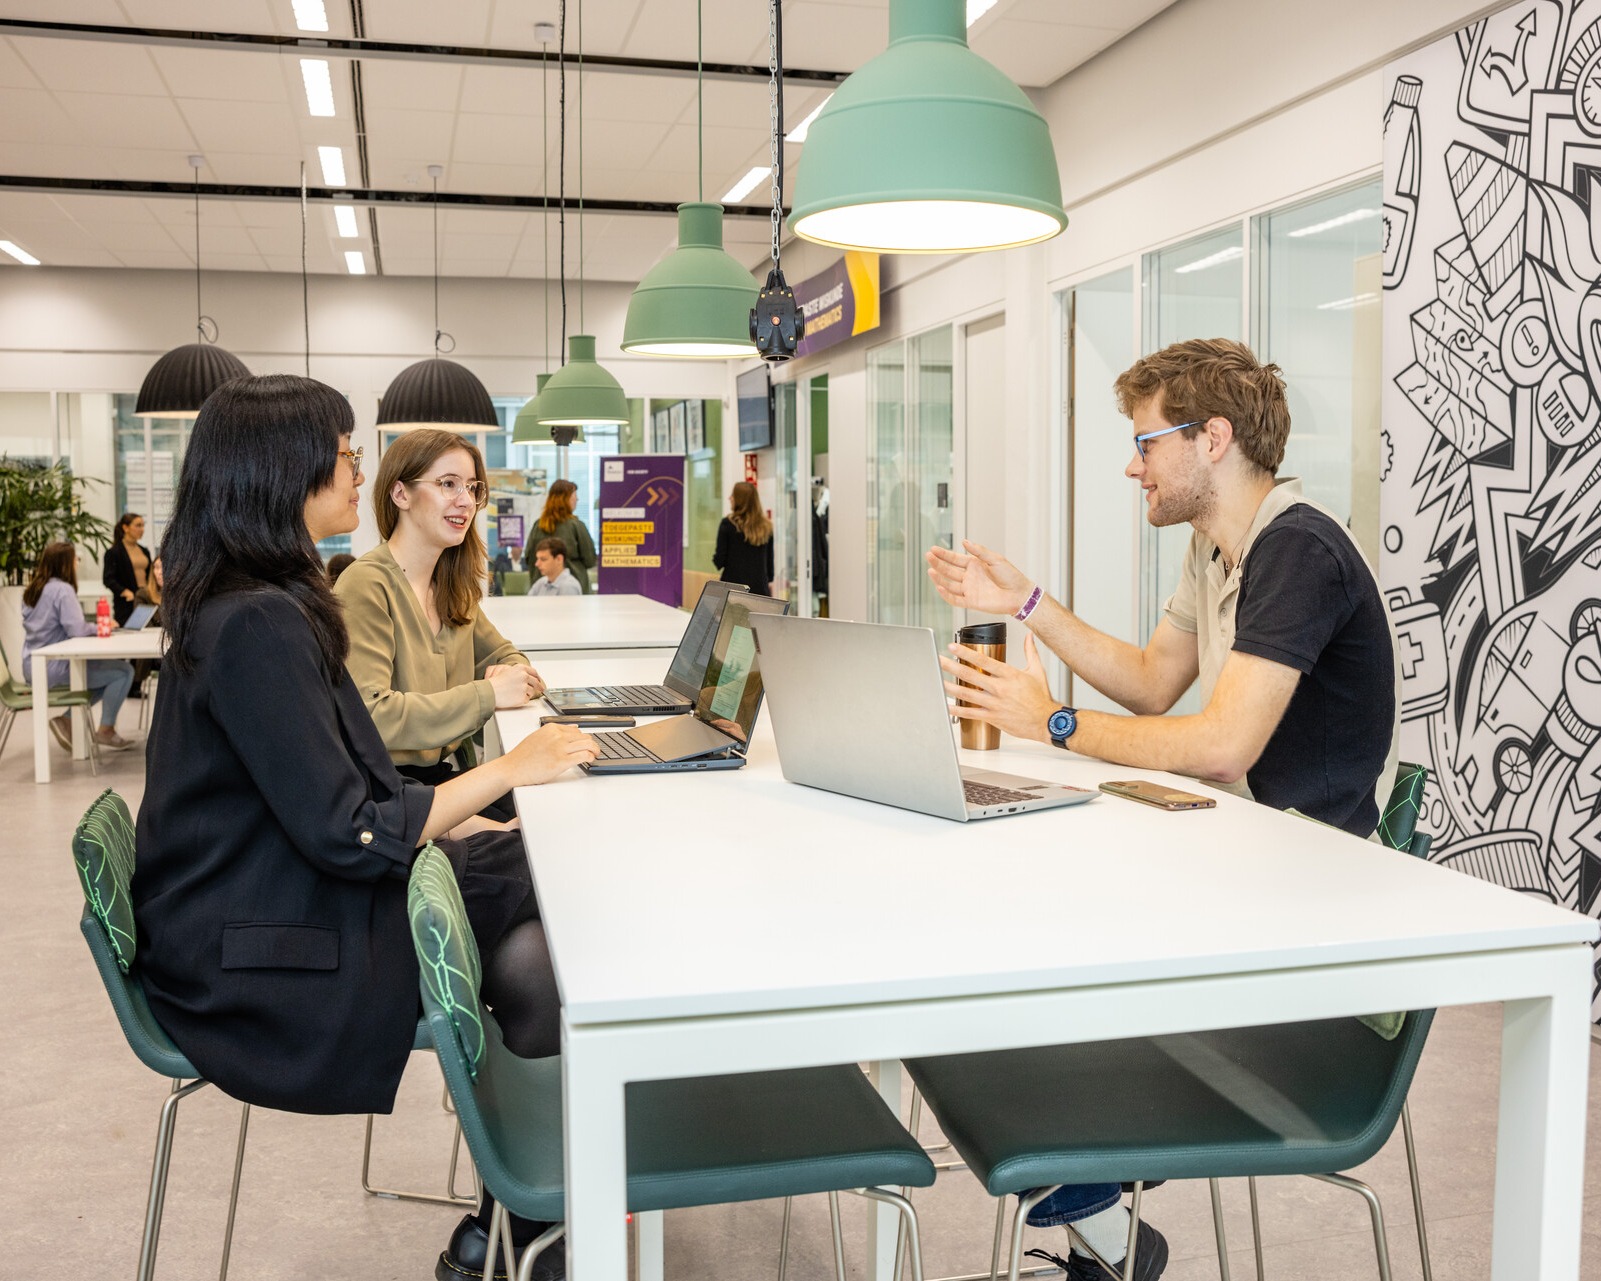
{"points": [[429, 666]]}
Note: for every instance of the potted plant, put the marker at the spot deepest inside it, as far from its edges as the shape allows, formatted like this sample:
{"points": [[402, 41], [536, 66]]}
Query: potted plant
{"points": [[38, 505]]}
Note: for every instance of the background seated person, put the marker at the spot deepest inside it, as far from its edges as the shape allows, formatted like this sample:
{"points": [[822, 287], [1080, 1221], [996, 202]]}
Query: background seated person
{"points": [[555, 579], [427, 663], [276, 837]]}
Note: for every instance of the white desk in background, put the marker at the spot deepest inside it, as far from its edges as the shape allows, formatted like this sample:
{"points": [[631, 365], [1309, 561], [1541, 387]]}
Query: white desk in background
{"points": [[144, 642], [733, 922], [543, 624]]}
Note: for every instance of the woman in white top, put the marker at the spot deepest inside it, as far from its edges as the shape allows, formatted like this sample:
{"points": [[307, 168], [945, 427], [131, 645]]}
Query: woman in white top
{"points": [[51, 613]]}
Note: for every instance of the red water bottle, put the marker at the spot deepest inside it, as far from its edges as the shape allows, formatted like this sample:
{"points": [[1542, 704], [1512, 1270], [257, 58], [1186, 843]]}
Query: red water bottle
{"points": [[103, 617]]}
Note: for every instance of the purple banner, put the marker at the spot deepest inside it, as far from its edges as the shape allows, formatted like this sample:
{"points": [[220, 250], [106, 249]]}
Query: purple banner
{"points": [[642, 527], [838, 302]]}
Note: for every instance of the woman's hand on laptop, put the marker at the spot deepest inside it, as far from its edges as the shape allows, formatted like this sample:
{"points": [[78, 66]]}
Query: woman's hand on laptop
{"points": [[1017, 699], [980, 579], [548, 752]]}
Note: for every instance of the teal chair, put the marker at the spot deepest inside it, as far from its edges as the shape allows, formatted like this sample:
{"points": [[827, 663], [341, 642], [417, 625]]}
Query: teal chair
{"points": [[16, 698], [693, 1142], [1299, 1098]]}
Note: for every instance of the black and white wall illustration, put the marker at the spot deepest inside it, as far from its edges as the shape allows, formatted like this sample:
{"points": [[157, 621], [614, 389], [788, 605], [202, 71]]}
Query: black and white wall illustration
{"points": [[1491, 459]]}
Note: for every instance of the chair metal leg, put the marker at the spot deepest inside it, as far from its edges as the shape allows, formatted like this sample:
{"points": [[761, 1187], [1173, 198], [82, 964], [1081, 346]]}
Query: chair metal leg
{"points": [[1256, 1232], [1126, 1272], [499, 1238], [1412, 1171], [1019, 1220], [1220, 1231], [783, 1239], [449, 1197], [839, 1240], [1381, 1245], [233, 1192], [160, 1162], [89, 738], [908, 1215], [535, 1248], [5, 726]]}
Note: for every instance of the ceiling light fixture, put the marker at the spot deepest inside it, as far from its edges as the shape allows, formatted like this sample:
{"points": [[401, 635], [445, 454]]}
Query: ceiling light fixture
{"points": [[314, 74], [333, 165], [798, 134], [747, 184], [345, 222], [696, 302], [310, 15], [178, 384], [581, 392], [433, 392], [355, 262], [928, 149], [19, 253]]}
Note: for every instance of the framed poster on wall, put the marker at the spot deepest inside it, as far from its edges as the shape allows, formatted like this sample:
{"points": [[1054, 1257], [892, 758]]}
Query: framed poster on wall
{"points": [[675, 442], [695, 428]]}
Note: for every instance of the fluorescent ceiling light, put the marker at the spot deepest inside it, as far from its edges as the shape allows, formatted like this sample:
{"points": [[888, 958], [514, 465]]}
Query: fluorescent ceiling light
{"points": [[319, 86], [1211, 260], [20, 254], [355, 264], [976, 9], [310, 15], [345, 220], [798, 133], [1345, 304], [746, 185], [333, 165], [1356, 215]]}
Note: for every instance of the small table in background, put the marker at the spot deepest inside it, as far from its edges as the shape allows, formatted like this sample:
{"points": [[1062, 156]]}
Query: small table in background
{"points": [[142, 643]]}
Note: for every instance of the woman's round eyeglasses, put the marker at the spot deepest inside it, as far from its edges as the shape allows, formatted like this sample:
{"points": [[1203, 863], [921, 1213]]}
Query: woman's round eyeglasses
{"points": [[451, 486]]}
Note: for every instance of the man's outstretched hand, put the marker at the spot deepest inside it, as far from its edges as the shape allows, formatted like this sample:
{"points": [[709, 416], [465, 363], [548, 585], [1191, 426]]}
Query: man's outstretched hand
{"points": [[980, 579]]}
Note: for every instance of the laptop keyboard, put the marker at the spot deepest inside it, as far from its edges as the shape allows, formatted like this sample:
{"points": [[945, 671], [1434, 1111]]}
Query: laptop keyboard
{"points": [[983, 794], [616, 746]]}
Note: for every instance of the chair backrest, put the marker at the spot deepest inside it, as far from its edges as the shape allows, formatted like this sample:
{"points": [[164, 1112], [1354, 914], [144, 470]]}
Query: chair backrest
{"points": [[103, 853], [1399, 822], [447, 955], [515, 582]]}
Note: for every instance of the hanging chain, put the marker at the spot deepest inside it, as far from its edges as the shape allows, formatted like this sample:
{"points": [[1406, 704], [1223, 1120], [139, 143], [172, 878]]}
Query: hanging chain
{"points": [[775, 101]]}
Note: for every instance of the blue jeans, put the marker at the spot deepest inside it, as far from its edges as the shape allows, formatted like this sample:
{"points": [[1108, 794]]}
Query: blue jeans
{"points": [[108, 681], [1074, 1201]]}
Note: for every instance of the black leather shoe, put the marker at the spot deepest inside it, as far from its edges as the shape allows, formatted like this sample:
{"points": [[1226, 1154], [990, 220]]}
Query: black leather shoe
{"points": [[463, 1259]]}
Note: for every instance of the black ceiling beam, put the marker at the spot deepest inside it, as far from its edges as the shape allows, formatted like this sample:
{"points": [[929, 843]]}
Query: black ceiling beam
{"points": [[334, 46], [369, 196]]}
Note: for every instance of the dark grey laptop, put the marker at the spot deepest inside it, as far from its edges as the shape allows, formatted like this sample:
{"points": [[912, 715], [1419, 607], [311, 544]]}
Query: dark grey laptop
{"points": [[142, 616], [681, 685], [727, 700], [859, 708]]}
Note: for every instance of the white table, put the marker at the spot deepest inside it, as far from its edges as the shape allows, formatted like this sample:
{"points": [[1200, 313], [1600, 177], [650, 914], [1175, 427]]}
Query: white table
{"points": [[541, 624], [144, 642], [734, 922]]}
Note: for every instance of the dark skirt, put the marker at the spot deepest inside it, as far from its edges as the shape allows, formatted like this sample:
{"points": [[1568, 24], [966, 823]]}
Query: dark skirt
{"points": [[496, 888]]}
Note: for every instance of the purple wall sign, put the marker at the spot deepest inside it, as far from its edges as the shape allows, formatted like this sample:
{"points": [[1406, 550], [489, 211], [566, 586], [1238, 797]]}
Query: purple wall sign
{"points": [[839, 302], [642, 527]]}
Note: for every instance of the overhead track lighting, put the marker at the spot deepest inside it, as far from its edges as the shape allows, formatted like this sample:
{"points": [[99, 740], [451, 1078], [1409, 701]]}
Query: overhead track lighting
{"points": [[697, 301], [178, 384], [434, 392], [928, 149]]}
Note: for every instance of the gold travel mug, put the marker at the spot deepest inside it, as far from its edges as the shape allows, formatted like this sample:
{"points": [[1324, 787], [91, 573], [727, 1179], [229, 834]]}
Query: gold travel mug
{"points": [[988, 639]]}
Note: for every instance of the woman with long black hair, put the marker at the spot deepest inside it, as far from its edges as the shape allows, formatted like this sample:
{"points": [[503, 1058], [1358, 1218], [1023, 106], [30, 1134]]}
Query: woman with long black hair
{"points": [[276, 838]]}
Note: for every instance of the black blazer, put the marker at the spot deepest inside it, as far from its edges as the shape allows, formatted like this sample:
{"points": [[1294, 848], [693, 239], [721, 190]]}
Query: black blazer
{"points": [[117, 574], [274, 843], [741, 562]]}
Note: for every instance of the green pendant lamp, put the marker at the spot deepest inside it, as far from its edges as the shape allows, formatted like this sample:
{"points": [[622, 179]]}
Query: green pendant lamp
{"points": [[928, 149], [526, 427], [695, 302]]}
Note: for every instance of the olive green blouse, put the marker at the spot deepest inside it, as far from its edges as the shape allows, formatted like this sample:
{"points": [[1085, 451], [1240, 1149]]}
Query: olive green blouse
{"points": [[426, 693]]}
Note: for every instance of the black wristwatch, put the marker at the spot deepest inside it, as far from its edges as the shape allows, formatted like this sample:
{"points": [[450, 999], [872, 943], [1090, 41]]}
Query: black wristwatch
{"points": [[1064, 720]]}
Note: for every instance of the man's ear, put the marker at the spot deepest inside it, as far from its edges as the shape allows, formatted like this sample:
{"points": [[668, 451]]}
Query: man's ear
{"points": [[1219, 436]]}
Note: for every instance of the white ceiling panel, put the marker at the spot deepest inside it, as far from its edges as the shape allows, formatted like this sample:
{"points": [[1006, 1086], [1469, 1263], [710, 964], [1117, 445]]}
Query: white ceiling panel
{"points": [[264, 17], [238, 76], [267, 128], [85, 66], [414, 86], [34, 115], [14, 72], [508, 91], [116, 121]]}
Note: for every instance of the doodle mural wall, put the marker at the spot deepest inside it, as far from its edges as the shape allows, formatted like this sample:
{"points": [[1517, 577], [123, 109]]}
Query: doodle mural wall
{"points": [[1491, 466]]}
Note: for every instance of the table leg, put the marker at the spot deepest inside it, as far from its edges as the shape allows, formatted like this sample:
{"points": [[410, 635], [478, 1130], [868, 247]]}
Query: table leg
{"points": [[883, 1222], [1539, 1165], [41, 720], [596, 1162], [649, 1249], [80, 737]]}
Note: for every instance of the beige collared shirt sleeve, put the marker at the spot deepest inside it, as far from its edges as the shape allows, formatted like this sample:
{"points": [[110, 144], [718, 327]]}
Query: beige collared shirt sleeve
{"points": [[1180, 607], [404, 676]]}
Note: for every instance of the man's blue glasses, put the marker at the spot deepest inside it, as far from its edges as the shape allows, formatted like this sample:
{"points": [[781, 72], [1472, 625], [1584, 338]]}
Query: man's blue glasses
{"points": [[1139, 441]]}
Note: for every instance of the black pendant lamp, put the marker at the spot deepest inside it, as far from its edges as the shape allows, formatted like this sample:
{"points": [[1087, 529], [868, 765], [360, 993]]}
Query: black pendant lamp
{"points": [[178, 384], [436, 392]]}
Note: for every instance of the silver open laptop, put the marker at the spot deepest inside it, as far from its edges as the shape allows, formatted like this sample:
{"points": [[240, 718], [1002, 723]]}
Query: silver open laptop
{"points": [[859, 708]]}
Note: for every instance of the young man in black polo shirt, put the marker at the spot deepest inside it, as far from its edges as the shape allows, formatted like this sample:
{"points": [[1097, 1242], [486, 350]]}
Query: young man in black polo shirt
{"points": [[1277, 615]]}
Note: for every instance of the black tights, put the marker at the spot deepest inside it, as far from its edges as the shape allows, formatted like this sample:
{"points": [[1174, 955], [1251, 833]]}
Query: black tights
{"points": [[520, 987]]}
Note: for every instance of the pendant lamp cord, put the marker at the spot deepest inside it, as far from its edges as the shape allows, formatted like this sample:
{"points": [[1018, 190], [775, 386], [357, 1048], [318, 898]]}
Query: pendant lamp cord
{"points": [[305, 293], [700, 112], [580, 4], [440, 336], [205, 326], [544, 100], [775, 92], [561, 202]]}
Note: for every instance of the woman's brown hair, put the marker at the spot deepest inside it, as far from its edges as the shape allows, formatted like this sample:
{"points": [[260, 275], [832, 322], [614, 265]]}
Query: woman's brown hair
{"points": [[559, 505], [459, 575], [57, 560], [747, 515], [123, 521]]}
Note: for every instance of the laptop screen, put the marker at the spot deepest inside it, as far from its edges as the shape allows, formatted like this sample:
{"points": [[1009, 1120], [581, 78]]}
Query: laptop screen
{"points": [[141, 616], [731, 692], [689, 663]]}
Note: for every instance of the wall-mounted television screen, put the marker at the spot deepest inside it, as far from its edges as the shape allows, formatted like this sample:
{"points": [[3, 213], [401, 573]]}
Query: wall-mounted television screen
{"points": [[755, 410]]}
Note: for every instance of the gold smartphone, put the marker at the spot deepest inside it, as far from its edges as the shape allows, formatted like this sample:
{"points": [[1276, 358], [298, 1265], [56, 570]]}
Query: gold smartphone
{"points": [[1158, 794]]}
